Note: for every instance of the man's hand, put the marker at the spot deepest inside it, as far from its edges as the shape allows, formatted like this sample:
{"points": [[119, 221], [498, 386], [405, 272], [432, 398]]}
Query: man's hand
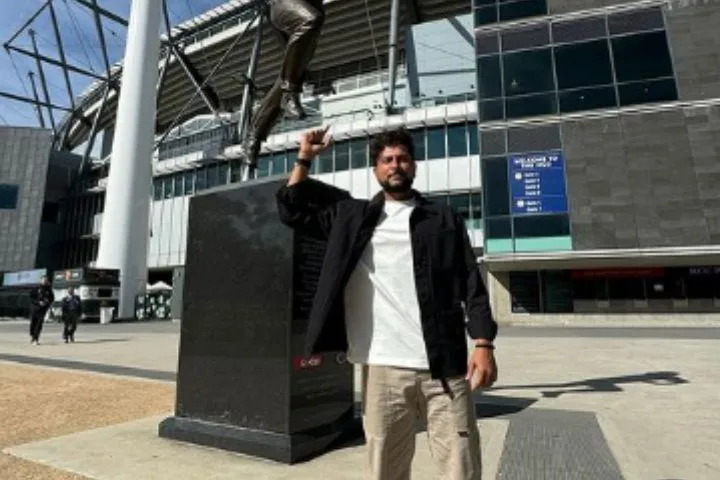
{"points": [[313, 142], [482, 370]]}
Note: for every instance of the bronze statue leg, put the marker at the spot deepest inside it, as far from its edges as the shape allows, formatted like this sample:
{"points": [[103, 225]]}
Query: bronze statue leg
{"points": [[300, 22]]}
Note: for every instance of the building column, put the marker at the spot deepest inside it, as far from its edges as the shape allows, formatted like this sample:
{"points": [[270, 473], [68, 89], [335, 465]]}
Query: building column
{"points": [[125, 230], [392, 53]]}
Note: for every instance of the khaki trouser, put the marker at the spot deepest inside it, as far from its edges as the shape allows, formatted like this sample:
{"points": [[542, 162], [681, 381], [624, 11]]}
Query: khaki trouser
{"points": [[394, 399]]}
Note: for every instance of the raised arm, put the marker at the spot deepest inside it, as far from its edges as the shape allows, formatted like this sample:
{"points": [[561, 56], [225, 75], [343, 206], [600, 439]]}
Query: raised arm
{"points": [[305, 204]]}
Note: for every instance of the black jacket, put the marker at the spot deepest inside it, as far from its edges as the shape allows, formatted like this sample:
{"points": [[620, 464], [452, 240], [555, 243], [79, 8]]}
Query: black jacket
{"points": [[447, 277], [71, 306], [41, 298]]}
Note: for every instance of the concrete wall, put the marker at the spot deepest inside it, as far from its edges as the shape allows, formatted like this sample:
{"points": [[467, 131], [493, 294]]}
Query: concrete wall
{"points": [[650, 180], [693, 28], [24, 156]]}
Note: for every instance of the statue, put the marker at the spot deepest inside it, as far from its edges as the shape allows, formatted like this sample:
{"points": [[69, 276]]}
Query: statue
{"points": [[299, 23]]}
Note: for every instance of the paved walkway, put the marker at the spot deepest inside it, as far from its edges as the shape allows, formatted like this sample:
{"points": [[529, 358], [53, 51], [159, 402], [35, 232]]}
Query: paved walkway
{"points": [[570, 403]]}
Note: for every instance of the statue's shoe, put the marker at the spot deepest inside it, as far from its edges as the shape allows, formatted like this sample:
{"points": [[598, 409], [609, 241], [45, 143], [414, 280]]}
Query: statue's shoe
{"points": [[292, 107]]}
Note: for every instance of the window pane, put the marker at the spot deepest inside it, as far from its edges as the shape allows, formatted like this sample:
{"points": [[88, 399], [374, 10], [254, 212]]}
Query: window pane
{"points": [[529, 139], [178, 184], [486, 43], [461, 203], [358, 153], [583, 64], [626, 288], [649, 91], [8, 196], [493, 142], [263, 166], [577, 30], [213, 176], [457, 143], [489, 83], [324, 161], [436, 142], [224, 173], [491, 110], [590, 288], [498, 227], [485, 15], [476, 209], [541, 226], [636, 21], [276, 162], [514, 9], [200, 179], [526, 37], [189, 182], [587, 99], [495, 186], [525, 292], [419, 144], [473, 138], [528, 72], [168, 187], [157, 189], [640, 57], [531, 105], [342, 156]]}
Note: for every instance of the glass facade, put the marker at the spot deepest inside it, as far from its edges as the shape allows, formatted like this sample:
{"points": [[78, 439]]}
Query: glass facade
{"points": [[556, 67], [454, 140], [492, 11], [617, 290], [506, 230], [467, 204], [8, 196]]}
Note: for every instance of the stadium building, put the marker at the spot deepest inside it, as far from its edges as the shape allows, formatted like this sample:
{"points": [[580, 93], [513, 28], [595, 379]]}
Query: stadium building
{"points": [[579, 139]]}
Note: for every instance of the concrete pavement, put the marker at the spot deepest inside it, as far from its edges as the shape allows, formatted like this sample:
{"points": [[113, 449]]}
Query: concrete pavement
{"points": [[569, 403]]}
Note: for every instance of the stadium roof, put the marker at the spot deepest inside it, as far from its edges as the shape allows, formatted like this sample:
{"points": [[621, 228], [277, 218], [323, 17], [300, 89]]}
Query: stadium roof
{"points": [[354, 31]]}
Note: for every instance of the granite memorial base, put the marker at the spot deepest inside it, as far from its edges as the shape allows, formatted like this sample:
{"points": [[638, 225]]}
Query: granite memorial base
{"points": [[242, 383]]}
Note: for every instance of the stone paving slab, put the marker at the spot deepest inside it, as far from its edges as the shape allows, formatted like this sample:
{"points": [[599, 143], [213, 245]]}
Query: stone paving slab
{"points": [[133, 450], [653, 392]]}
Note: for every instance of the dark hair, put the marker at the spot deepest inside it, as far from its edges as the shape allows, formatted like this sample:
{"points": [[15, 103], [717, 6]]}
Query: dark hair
{"points": [[399, 137]]}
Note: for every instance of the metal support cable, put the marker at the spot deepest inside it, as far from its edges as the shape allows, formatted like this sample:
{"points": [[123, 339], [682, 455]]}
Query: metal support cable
{"points": [[37, 100], [61, 51], [43, 83], [207, 79]]}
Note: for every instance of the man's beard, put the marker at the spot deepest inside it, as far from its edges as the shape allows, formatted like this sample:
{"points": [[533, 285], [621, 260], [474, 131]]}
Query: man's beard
{"points": [[403, 186]]}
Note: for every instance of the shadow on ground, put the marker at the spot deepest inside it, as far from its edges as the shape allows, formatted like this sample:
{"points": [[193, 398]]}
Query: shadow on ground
{"points": [[597, 385]]}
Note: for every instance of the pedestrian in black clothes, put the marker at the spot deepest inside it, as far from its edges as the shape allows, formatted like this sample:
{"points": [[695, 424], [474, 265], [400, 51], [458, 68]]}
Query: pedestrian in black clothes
{"points": [[41, 298], [71, 312]]}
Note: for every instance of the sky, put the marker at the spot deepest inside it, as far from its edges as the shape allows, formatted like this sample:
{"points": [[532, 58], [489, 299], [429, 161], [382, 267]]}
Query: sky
{"points": [[81, 44]]}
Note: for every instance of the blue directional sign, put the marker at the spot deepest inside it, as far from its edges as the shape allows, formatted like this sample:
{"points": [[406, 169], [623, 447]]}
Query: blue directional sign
{"points": [[537, 183]]}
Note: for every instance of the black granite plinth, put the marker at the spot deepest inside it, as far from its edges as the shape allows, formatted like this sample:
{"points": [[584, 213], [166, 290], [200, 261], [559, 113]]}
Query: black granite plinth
{"points": [[242, 382]]}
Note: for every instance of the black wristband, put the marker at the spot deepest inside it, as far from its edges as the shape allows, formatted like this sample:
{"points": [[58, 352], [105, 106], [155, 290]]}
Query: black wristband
{"points": [[489, 346], [305, 163]]}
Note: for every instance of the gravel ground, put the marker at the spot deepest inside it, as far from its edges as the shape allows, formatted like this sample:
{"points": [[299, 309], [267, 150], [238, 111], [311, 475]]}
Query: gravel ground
{"points": [[39, 403]]}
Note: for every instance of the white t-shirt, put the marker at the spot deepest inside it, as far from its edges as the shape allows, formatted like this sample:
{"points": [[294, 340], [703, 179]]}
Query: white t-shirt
{"points": [[382, 313]]}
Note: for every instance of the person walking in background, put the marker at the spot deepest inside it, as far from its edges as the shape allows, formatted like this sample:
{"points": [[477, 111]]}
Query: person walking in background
{"points": [[41, 298], [71, 312], [398, 281]]}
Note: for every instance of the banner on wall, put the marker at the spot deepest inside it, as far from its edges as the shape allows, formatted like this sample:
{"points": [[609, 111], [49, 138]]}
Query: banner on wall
{"points": [[537, 183], [25, 277]]}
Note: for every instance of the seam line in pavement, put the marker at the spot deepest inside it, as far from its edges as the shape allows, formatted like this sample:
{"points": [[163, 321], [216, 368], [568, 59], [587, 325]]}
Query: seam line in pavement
{"points": [[92, 367]]}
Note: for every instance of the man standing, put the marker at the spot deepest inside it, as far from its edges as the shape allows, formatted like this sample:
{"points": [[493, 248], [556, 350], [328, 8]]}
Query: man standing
{"points": [[398, 281], [41, 299], [71, 311]]}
